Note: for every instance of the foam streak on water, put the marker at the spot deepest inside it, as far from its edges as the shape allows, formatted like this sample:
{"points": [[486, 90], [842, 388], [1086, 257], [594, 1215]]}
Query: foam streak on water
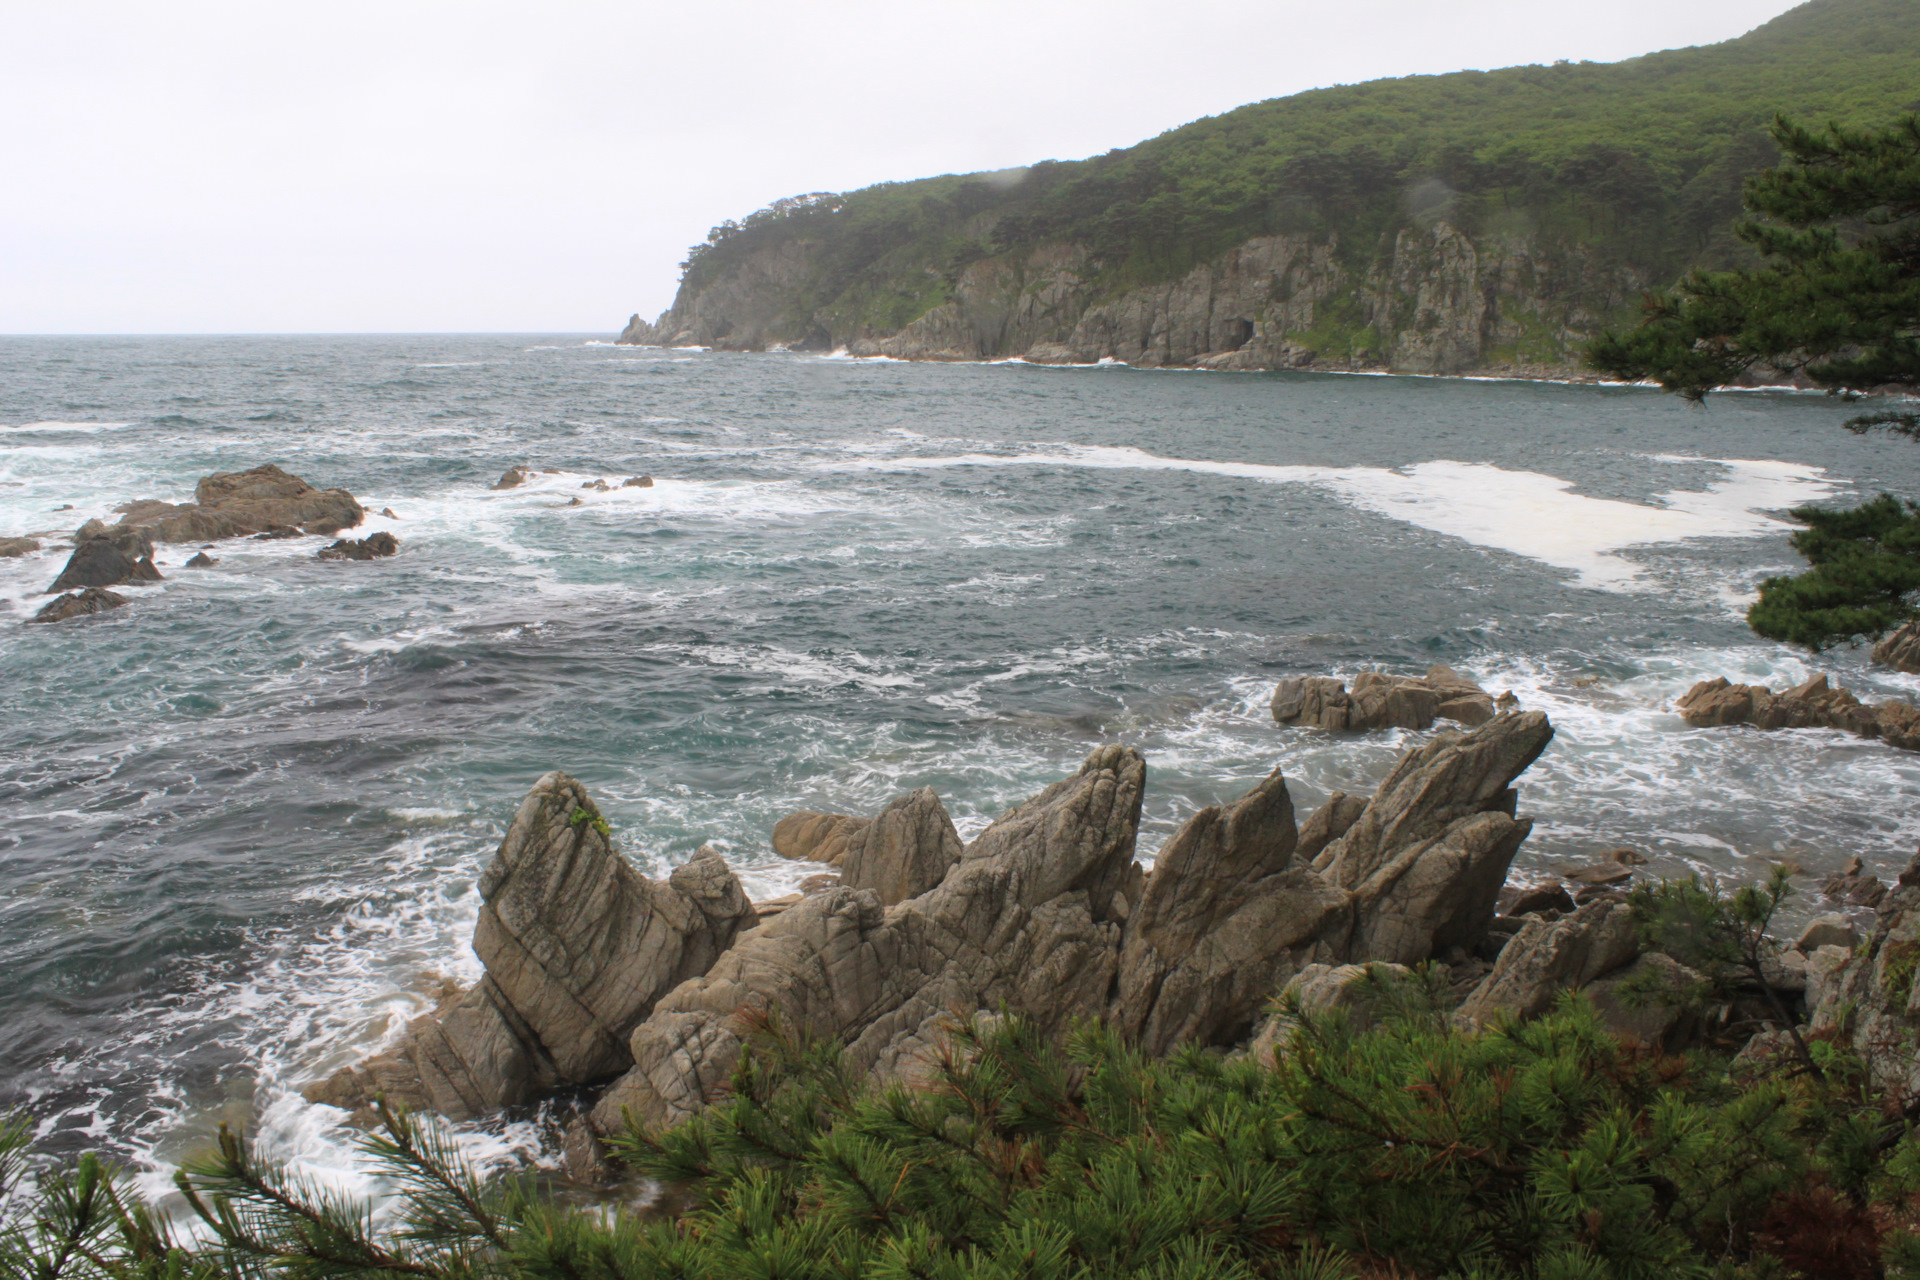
{"points": [[244, 815]]}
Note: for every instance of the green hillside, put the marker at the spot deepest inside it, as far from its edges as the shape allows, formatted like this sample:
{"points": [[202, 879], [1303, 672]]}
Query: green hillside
{"points": [[1639, 162]]}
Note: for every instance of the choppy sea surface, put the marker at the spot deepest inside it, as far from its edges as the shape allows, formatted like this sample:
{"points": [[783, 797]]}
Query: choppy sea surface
{"points": [[241, 818]]}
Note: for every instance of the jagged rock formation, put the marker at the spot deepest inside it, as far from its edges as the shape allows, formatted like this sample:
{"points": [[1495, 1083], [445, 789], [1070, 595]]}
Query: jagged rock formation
{"points": [[241, 504], [578, 947], [1548, 957], [78, 604], [1868, 996], [369, 548], [1024, 918], [1814, 704], [905, 851], [108, 559], [1900, 649], [1380, 701]]}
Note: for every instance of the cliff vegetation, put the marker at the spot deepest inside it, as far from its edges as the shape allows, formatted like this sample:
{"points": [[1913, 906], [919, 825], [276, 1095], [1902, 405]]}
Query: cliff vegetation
{"points": [[1478, 220]]}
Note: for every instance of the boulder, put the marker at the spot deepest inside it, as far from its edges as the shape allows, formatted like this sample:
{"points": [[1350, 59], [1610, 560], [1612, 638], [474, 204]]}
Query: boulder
{"points": [[1829, 930], [1544, 959], [371, 547], [637, 482], [1024, 919], [108, 560], [1357, 988], [11, 547], [1650, 1002], [1537, 900], [1900, 649], [906, 850], [1226, 918], [578, 947], [513, 477], [1854, 886], [1380, 701], [807, 836], [1427, 860], [78, 604], [201, 560], [598, 485]]}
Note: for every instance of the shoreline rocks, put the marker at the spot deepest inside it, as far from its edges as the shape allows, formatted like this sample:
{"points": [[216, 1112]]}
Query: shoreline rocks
{"points": [[1900, 649], [372, 547], [1380, 701], [108, 559], [239, 504], [78, 604]]}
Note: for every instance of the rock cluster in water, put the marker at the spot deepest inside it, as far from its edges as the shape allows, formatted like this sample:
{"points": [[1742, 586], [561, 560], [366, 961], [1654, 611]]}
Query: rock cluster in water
{"points": [[1380, 701], [1814, 704], [265, 502]]}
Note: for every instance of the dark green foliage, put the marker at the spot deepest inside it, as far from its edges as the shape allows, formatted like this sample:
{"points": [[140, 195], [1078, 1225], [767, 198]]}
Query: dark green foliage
{"points": [[1839, 296], [1639, 162], [1866, 571], [1547, 1151]]}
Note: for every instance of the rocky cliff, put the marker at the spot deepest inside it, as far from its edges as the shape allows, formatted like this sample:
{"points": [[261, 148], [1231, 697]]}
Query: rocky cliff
{"points": [[1437, 301]]}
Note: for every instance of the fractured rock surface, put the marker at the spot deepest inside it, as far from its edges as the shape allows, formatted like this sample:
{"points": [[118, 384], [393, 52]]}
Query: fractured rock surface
{"points": [[108, 559], [240, 504], [1380, 701], [1815, 704], [1900, 649], [78, 604]]}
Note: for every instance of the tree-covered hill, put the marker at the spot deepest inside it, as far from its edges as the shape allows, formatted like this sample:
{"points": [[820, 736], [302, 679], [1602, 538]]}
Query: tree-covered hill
{"points": [[1571, 187]]}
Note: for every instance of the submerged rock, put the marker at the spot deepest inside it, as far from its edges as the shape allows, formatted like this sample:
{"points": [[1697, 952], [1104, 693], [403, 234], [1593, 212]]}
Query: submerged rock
{"points": [[107, 560], [371, 547], [1380, 701], [513, 477], [201, 560], [11, 547], [637, 482], [78, 604]]}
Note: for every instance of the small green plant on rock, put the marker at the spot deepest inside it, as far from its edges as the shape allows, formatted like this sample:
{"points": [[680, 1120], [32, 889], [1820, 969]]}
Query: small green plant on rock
{"points": [[587, 818]]}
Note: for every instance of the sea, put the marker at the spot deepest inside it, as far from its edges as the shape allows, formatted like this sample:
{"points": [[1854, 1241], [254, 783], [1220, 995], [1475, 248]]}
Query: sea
{"points": [[242, 818]]}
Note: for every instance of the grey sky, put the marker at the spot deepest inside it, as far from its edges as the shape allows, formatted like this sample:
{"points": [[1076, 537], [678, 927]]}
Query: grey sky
{"points": [[420, 165]]}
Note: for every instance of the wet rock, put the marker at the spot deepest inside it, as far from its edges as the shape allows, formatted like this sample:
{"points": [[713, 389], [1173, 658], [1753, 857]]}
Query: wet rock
{"points": [[1900, 649], [598, 485], [1380, 701], [78, 604], [1544, 959], [1023, 919], [240, 504], [817, 884], [1598, 873], [1226, 918], [107, 560], [371, 547], [578, 947], [93, 528], [201, 560], [904, 851], [637, 482], [1812, 705], [807, 836], [11, 547], [583, 1155], [1854, 887], [387, 513], [513, 477]]}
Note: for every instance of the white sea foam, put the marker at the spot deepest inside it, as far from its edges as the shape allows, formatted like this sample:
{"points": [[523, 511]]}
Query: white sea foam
{"points": [[88, 428], [1523, 512]]}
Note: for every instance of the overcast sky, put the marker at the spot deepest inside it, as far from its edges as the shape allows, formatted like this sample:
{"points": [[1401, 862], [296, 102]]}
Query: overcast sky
{"points": [[426, 166]]}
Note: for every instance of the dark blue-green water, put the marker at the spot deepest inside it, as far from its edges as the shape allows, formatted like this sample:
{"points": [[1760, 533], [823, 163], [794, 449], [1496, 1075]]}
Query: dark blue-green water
{"points": [[242, 817]]}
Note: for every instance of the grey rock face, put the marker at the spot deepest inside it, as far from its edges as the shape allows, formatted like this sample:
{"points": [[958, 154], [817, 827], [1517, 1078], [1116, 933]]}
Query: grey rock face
{"points": [[1024, 918], [1225, 919], [1379, 701], [1900, 649], [1869, 996], [578, 947], [1328, 823], [108, 560], [905, 851], [1544, 959], [808, 836], [1318, 988], [78, 604], [1657, 1014]]}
